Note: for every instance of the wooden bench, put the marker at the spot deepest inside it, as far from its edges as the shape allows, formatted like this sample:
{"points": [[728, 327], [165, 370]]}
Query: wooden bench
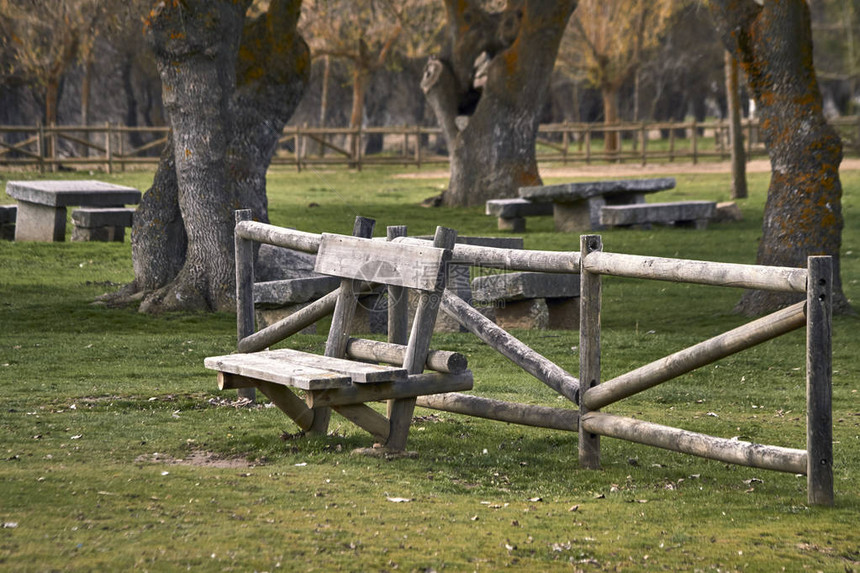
{"points": [[680, 213], [341, 379], [512, 213], [530, 300], [576, 206], [101, 223], [8, 215]]}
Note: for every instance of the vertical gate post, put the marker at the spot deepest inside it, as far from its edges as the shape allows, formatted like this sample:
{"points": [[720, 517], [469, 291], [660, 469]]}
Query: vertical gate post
{"points": [[819, 378], [244, 291], [589, 346]]}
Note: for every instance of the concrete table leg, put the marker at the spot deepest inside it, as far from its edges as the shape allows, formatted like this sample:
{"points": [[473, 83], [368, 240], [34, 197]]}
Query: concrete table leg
{"points": [[40, 223]]}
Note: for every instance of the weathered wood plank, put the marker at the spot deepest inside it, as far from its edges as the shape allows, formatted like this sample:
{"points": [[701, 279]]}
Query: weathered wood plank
{"points": [[819, 381], [678, 440], [514, 413], [415, 385], [698, 272], [696, 356], [390, 353], [277, 371], [359, 372], [393, 263], [288, 403]]}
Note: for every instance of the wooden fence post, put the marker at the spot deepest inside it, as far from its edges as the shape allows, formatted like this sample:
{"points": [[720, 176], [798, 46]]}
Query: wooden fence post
{"points": [[588, 144], [108, 148], [694, 141], [819, 374], [418, 146], [643, 136], [565, 142], [40, 146], [244, 290], [589, 346]]}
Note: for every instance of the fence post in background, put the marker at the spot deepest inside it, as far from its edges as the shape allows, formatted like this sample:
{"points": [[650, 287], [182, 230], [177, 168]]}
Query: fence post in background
{"points": [[52, 144], [40, 146], [565, 142], [819, 378], [749, 139], [244, 291], [694, 141], [589, 346], [418, 146], [588, 144], [108, 149], [643, 137], [671, 144], [120, 134]]}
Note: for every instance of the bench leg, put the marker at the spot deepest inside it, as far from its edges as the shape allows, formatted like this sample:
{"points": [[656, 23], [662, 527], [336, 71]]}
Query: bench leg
{"points": [[513, 224], [289, 403], [366, 418], [40, 223], [401, 418]]}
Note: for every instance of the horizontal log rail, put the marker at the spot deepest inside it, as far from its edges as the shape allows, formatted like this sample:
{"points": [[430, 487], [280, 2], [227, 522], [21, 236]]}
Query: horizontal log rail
{"points": [[304, 146], [499, 410], [677, 440], [814, 312], [783, 279]]}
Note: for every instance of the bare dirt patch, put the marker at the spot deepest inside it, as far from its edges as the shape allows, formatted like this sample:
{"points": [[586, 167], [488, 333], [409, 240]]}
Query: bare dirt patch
{"points": [[197, 459]]}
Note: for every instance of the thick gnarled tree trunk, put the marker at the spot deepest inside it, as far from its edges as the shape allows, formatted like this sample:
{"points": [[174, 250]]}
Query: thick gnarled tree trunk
{"points": [[803, 214], [487, 92], [230, 85]]}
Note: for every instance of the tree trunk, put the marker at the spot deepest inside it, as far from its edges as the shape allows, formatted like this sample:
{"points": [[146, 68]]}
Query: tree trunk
{"points": [[229, 88], [736, 132], [487, 93], [610, 118], [803, 214], [359, 87]]}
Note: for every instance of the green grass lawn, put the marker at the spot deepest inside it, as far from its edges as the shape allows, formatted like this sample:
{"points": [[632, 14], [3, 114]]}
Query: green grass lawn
{"points": [[118, 451]]}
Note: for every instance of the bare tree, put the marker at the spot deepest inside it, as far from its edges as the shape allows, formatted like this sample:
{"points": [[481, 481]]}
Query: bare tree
{"points": [[611, 38]]}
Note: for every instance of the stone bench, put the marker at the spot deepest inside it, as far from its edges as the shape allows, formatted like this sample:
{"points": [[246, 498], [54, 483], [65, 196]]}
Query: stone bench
{"points": [[576, 206], [512, 213], [530, 300], [8, 214], [101, 224], [681, 213], [42, 204]]}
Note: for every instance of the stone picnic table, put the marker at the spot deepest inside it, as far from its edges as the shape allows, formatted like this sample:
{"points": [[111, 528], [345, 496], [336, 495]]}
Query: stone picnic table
{"points": [[42, 204], [577, 206]]}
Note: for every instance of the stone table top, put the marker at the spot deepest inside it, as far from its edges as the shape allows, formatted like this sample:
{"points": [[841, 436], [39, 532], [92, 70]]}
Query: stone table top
{"points": [[54, 193], [572, 192]]}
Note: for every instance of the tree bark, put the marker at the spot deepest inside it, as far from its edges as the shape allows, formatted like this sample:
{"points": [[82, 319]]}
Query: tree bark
{"points": [[803, 214], [736, 134], [611, 139], [229, 88], [487, 92]]}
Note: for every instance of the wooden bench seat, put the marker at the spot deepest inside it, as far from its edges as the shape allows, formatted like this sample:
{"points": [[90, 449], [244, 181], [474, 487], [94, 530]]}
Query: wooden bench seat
{"points": [[344, 379], [680, 213]]}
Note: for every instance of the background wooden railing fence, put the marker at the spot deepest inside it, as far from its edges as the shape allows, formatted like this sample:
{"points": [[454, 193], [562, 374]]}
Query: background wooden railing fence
{"points": [[110, 146]]}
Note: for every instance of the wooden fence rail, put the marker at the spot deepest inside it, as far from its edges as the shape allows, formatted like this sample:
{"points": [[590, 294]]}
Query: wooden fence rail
{"points": [[111, 146]]}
